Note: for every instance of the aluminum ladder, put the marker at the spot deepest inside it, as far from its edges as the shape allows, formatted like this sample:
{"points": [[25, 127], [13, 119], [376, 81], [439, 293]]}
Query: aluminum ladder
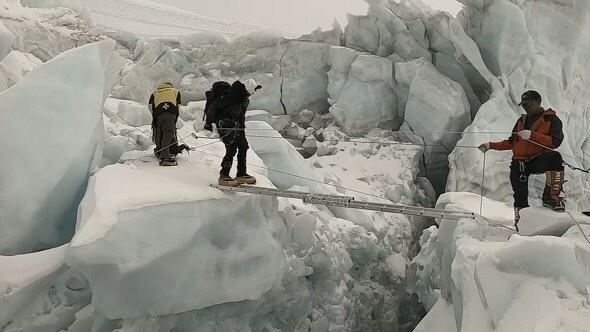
{"points": [[350, 202]]}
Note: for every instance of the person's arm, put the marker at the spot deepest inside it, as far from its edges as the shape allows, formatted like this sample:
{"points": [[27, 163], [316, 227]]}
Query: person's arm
{"points": [[507, 144], [210, 116], [555, 137], [242, 116]]}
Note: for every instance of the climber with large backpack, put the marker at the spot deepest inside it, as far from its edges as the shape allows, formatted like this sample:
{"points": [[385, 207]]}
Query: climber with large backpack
{"points": [[164, 106], [225, 113], [534, 139]]}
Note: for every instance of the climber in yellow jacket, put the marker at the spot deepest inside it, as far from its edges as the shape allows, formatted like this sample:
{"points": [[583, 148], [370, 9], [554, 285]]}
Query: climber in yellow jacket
{"points": [[164, 105]]}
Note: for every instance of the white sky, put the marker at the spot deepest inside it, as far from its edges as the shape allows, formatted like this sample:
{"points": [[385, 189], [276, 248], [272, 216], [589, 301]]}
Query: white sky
{"points": [[291, 16]]}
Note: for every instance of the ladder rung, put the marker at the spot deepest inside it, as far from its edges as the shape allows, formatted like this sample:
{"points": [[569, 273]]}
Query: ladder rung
{"points": [[349, 202]]}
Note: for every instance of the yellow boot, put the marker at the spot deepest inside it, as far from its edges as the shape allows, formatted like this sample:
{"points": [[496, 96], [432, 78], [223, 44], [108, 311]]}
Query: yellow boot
{"points": [[246, 179], [226, 180]]}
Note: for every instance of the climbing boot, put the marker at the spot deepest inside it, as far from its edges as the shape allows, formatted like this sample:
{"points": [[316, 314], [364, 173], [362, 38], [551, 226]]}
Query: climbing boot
{"points": [[245, 179], [228, 181], [168, 162], [553, 197]]}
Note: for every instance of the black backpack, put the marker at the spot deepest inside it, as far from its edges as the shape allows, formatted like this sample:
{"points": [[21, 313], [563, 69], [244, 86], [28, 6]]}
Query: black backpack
{"points": [[219, 89]]}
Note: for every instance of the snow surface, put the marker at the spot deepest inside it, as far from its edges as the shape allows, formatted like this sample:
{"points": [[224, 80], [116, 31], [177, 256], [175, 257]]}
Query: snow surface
{"points": [[543, 221], [471, 277], [405, 67], [218, 254], [39, 293], [151, 19], [318, 249], [41, 189]]}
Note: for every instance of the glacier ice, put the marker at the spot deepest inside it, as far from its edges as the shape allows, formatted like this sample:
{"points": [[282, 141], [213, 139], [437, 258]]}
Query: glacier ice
{"points": [[277, 122], [134, 114], [44, 33], [281, 158], [383, 33], [72, 4], [361, 92], [41, 189], [541, 46], [433, 102], [39, 292], [487, 284], [15, 65], [349, 273], [293, 73], [140, 16], [6, 39], [192, 250], [542, 221]]}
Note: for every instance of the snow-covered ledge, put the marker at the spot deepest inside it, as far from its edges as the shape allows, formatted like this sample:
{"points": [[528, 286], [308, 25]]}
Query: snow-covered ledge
{"points": [[152, 241], [471, 279]]}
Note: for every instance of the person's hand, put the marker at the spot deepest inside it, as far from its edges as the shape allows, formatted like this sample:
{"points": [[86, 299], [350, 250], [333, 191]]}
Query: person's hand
{"points": [[525, 134], [214, 133], [484, 147]]}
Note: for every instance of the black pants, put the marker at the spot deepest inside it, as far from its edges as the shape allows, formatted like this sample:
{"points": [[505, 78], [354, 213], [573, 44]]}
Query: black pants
{"points": [[235, 142], [164, 132], [519, 178]]}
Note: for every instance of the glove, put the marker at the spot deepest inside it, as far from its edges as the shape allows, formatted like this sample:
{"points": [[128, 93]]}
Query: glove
{"points": [[525, 134], [213, 129], [484, 147]]}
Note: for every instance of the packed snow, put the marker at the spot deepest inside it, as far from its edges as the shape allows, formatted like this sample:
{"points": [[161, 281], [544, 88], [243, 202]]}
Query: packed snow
{"points": [[218, 254], [387, 109]]}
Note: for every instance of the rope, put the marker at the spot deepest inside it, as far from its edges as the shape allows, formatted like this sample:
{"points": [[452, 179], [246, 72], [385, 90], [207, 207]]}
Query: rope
{"points": [[565, 155], [392, 131], [143, 132], [370, 142], [129, 124], [483, 176], [579, 227], [297, 176]]}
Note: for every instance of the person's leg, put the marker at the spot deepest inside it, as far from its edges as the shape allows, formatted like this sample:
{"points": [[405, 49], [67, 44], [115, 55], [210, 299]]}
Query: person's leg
{"points": [[520, 183], [226, 163], [520, 186], [231, 147], [156, 137], [166, 122], [242, 152], [551, 163], [242, 176]]}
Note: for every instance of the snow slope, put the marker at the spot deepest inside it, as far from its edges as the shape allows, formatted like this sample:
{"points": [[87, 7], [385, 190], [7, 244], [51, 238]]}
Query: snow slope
{"points": [[151, 19]]}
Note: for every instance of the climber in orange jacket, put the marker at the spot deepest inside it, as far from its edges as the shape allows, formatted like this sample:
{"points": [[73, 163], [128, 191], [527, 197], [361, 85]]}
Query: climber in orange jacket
{"points": [[535, 136]]}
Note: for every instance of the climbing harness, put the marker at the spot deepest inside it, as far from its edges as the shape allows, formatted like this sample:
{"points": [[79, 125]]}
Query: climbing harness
{"points": [[521, 167]]}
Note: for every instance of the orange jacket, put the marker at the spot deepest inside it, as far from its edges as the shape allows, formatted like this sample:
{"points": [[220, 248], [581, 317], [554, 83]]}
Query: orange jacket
{"points": [[546, 129]]}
